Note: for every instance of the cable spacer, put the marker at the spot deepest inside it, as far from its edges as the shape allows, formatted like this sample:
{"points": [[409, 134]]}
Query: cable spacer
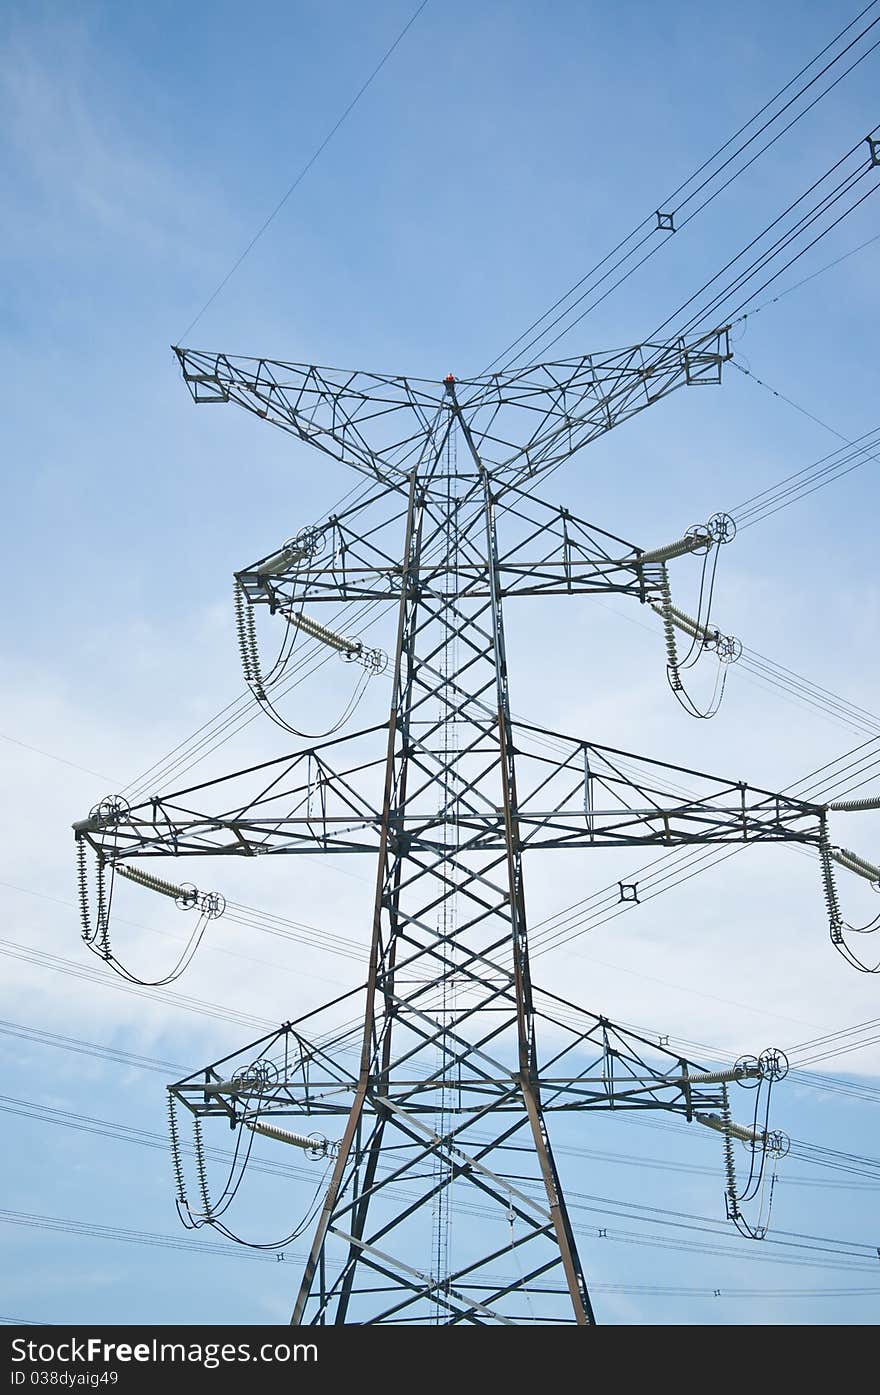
{"points": [[773, 1063], [748, 1071], [722, 527], [212, 904], [187, 897], [728, 649], [256, 1075], [111, 809], [700, 538], [777, 1144]]}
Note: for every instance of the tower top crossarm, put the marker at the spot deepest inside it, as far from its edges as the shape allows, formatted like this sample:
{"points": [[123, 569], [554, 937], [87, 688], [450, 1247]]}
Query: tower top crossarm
{"points": [[521, 421]]}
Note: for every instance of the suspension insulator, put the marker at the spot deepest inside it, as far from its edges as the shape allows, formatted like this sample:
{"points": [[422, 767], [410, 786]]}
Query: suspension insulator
{"points": [[731, 1197], [829, 886], [201, 1169], [83, 889], [669, 632], [247, 640], [102, 910], [176, 1158], [99, 933]]}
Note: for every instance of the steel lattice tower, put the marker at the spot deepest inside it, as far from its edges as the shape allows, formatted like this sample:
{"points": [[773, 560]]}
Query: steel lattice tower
{"points": [[463, 1060]]}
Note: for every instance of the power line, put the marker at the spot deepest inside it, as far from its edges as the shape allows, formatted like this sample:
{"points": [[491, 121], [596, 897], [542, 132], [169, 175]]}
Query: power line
{"points": [[277, 926], [146, 1138], [62, 760], [677, 868], [813, 274], [747, 372], [129, 1235], [89, 1048], [836, 1036], [757, 506], [571, 921], [643, 232], [719, 303], [43, 959], [450, 665], [306, 167], [719, 307], [151, 1239]]}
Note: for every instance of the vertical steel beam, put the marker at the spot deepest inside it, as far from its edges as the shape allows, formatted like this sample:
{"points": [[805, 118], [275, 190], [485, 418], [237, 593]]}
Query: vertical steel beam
{"points": [[379, 976]]}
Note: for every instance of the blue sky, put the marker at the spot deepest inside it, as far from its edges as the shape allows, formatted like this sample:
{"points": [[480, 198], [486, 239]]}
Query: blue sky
{"points": [[502, 150]]}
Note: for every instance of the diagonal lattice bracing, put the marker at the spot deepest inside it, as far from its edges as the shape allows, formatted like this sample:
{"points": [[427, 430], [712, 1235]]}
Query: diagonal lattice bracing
{"points": [[483, 1148], [521, 421], [355, 556], [438, 1083], [575, 795]]}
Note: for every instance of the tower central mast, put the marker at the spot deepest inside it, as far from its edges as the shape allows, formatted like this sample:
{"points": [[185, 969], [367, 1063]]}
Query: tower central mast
{"points": [[428, 987], [462, 1058]]}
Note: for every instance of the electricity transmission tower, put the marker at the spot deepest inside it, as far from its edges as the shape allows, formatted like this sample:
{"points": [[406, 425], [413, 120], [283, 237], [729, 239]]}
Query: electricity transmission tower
{"points": [[464, 1061]]}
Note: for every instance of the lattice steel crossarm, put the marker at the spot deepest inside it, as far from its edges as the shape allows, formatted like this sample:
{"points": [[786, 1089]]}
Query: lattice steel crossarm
{"points": [[581, 795], [573, 402], [577, 794], [460, 1061], [593, 1066], [284, 1075], [385, 426], [354, 556], [301, 802]]}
